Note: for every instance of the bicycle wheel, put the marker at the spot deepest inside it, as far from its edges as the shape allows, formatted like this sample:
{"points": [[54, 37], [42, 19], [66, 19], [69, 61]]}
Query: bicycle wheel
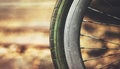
{"points": [[98, 45], [71, 34], [68, 42], [57, 33]]}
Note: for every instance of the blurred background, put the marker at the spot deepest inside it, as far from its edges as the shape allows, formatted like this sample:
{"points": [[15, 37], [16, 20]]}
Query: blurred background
{"points": [[24, 34]]}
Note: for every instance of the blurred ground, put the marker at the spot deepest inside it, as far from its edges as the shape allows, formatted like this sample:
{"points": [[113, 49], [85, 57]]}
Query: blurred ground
{"points": [[24, 30]]}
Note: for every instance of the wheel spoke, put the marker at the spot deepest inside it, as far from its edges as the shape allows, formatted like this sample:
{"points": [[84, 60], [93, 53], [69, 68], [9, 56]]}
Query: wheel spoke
{"points": [[117, 18], [116, 54], [109, 64], [99, 39], [101, 23], [104, 48]]}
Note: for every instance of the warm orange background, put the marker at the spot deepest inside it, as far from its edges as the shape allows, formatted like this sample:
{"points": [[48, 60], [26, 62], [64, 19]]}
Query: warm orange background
{"points": [[24, 34]]}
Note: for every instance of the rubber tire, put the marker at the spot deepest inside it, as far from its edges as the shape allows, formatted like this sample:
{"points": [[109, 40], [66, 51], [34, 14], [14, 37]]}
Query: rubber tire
{"points": [[57, 33], [72, 34]]}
